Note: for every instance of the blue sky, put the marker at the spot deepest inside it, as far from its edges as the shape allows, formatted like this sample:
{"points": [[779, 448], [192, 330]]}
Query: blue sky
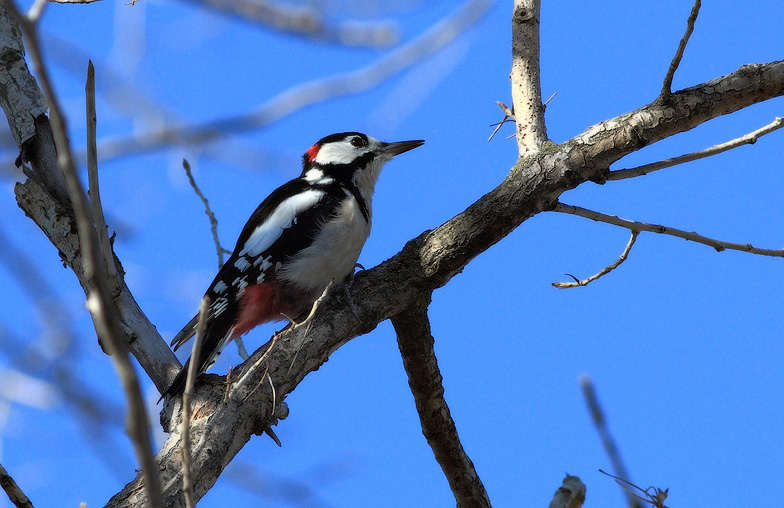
{"points": [[683, 343]]}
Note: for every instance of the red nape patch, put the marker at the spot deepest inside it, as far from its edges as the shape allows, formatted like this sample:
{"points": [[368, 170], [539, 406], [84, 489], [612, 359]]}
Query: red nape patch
{"points": [[312, 153], [265, 302]]}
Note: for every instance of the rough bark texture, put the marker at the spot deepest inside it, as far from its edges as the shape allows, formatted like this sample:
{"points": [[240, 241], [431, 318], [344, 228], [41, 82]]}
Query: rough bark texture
{"points": [[525, 79], [424, 378], [223, 423], [430, 260]]}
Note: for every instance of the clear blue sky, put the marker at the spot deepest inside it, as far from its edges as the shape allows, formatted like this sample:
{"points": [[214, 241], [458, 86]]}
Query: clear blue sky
{"points": [[684, 343]]}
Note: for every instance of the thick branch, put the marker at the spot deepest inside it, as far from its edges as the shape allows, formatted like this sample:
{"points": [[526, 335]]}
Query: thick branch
{"points": [[419, 359], [13, 491], [429, 261], [526, 87]]}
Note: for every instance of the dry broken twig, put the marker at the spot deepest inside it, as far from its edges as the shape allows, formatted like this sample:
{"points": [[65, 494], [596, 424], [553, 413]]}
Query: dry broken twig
{"points": [[604, 271]]}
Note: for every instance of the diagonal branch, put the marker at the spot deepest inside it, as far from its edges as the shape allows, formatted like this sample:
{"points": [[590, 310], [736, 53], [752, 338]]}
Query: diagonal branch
{"points": [[313, 92], [99, 300], [419, 359], [748, 139], [719, 245], [608, 442], [15, 493], [676, 60], [526, 87]]}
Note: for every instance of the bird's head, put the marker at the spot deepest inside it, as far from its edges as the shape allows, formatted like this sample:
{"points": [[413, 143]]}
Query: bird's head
{"points": [[351, 157]]}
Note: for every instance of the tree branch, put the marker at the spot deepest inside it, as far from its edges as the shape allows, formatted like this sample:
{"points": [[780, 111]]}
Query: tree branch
{"points": [[600, 423], [748, 139], [719, 245], [99, 300], [419, 359], [676, 60], [604, 271], [13, 491], [430, 260], [526, 88], [307, 21]]}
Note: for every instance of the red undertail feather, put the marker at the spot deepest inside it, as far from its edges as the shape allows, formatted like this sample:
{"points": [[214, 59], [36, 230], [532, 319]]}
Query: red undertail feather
{"points": [[265, 302]]}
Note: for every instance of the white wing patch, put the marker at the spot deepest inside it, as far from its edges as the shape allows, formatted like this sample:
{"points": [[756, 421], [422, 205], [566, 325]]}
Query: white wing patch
{"points": [[270, 230], [220, 287], [242, 263]]}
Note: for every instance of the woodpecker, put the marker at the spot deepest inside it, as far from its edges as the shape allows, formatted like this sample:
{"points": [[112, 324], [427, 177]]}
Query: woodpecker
{"points": [[304, 235]]}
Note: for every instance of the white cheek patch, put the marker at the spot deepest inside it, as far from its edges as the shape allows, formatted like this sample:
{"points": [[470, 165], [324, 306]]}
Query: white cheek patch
{"points": [[270, 230], [336, 153]]}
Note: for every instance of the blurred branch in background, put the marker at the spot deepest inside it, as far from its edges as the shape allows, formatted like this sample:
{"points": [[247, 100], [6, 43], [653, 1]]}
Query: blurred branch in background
{"points": [[305, 94], [307, 21], [608, 442]]}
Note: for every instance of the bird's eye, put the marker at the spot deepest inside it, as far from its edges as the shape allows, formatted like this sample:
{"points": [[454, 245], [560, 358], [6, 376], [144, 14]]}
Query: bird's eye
{"points": [[358, 142]]}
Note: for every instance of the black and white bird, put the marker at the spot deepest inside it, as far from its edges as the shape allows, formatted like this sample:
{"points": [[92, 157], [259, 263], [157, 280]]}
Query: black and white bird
{"points": [[304, 235]]}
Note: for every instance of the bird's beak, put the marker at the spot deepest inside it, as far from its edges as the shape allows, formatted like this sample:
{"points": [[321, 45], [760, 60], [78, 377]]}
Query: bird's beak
{"points": [[399, 147]]}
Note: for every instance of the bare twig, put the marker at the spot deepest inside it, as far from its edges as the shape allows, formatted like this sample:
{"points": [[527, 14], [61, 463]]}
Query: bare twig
{"points": [[508, 117], [608, 442], [92, 176], [604, 271], [571, 493], [210, 215], [656, 499], [748, 139], [719, 245], [415, 341], [99, 300], [15, 493], [526, 86], [676, 60], [310, 93], [190, 381]]}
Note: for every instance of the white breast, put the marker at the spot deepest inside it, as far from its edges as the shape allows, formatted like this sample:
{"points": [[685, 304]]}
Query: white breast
{"points": [[333, 254]]}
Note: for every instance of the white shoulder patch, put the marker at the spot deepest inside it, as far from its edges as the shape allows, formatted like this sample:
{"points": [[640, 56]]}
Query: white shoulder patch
{"points": [[270, 230]]}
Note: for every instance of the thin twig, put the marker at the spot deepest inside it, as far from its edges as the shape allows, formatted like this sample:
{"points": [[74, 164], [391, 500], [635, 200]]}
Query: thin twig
{"points": [[571, 493], [656, 499], [608, 442], [508, 117], [676, 60], [605, 271], [415, 341], [190, 381], [719, 245], [92, 178], [15, 493], [208, 211], [99, 300], [748, 139]]}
